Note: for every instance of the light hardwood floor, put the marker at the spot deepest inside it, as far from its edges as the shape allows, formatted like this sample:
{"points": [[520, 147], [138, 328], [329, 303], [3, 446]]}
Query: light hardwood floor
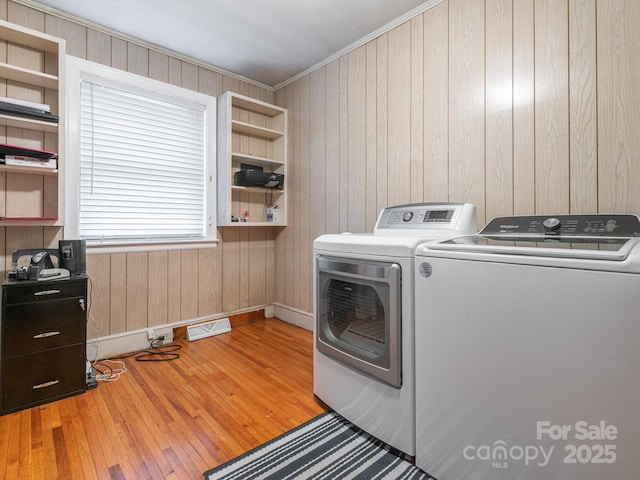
{"points": [[173, 420]]}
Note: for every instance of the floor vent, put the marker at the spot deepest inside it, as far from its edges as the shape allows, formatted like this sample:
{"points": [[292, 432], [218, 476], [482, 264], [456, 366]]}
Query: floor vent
{"points": [[208, 329]]}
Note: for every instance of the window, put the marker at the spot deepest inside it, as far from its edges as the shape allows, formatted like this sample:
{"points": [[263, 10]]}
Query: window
{"points": [[140, 159]]}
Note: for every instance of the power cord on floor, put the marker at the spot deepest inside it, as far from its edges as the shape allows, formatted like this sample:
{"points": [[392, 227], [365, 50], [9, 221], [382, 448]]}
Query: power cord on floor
{"points": [[111, 369], [107, 373], [155, 353]]}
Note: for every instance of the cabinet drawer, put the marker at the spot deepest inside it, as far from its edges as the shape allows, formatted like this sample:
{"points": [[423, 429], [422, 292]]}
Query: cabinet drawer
{"points": [[42, 377], [32, 327], [43, 291]]}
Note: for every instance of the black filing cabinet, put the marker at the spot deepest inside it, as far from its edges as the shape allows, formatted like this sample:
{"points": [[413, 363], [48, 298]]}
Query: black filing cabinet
{"points": [[44, 337]]}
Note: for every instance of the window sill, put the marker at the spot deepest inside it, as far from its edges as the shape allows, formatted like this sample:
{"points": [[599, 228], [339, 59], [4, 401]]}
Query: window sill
{"points": [[96, 248]]}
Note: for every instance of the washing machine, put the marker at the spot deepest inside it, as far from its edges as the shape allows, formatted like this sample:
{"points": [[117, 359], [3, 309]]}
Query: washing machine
{"points": [[528, 350], [364, 317]]}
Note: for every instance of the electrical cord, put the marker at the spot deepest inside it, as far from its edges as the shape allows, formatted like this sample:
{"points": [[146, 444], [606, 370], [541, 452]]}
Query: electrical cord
{"points": [[104, 370], [106, 373], [94, 322], [155, 353]]}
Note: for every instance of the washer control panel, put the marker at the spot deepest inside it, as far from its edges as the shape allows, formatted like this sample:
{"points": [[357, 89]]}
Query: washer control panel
{"points": [[597, 225]]}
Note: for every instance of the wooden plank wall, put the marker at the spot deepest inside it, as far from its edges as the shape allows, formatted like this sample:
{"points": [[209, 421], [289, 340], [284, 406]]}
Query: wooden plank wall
{"points": [[517, 106], [137, 290]]}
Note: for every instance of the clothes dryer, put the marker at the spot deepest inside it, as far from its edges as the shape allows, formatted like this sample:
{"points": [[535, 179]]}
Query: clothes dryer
{"points": [[364, 317], [528, 350]]}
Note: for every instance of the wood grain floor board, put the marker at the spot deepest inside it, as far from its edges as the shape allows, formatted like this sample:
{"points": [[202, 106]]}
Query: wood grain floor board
{"points": [[170, 420]]}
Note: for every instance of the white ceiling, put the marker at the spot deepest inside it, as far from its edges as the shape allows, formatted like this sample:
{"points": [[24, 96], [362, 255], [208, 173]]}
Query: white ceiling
{"points": [[268, 41]]}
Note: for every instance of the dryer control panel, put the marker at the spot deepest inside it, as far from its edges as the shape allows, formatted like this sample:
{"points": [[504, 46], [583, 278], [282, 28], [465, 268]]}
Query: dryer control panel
{"points": [[597, 225], [428, 216]]}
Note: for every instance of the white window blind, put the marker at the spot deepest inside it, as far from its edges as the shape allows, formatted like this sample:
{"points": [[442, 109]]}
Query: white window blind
{"points": [[142, 165]]}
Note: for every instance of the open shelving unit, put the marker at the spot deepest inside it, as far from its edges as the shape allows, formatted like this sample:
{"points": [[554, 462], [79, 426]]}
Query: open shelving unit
{"points": [[255, 133], [31, 65]]}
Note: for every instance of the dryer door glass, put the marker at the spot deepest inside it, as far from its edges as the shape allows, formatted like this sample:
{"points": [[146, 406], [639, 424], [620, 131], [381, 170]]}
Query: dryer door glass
{"points": [[355, 316], [358, 315]]}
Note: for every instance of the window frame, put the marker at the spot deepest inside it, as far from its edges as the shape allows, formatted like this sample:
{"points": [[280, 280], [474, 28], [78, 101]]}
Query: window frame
{"points": [[76, 69]]}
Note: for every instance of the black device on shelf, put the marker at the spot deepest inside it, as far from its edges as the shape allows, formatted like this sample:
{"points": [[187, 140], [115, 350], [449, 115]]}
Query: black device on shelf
{"points": [[28, 112], [7, 149], [29, 263], [73, 255], [49, 263], [252, 176]]}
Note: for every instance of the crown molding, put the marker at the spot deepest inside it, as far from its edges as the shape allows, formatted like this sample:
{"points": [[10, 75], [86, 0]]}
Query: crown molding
{"points": [[364, 40]]}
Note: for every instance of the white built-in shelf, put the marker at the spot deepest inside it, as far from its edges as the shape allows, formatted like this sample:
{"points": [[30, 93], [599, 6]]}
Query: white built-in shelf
{"points": [[28, 123], [28, 170], [254, 105], [267, 133], [31, 68], [250, 132], [13, 33], [29, 221], [257, 224], [263, 191], [24, 75]]}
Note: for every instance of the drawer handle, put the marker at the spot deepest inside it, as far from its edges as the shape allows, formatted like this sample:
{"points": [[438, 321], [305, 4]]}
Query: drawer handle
{"points": [[46, 292], [46, 334], [50, 383]]}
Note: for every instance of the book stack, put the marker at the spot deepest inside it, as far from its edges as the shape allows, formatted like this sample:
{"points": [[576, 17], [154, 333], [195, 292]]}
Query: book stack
{"points": [[23, 108], [27, 157]]}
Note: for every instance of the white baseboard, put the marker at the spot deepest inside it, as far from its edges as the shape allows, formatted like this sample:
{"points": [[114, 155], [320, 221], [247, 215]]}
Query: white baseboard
{"points": [[269, 311], [136, 340], [294, 316], [114, 345]]}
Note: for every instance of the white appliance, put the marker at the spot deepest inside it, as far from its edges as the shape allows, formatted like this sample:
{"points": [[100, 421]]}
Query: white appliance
{"points": [[363, 317], [528, 350]]}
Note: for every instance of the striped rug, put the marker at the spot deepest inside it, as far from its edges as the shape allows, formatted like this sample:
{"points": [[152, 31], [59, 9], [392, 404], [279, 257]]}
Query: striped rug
{"points": [[324, 448]]}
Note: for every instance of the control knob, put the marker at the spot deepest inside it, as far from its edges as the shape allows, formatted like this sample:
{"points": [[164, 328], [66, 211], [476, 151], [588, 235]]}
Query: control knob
{"points": [[407, 216], [551, 224]]}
